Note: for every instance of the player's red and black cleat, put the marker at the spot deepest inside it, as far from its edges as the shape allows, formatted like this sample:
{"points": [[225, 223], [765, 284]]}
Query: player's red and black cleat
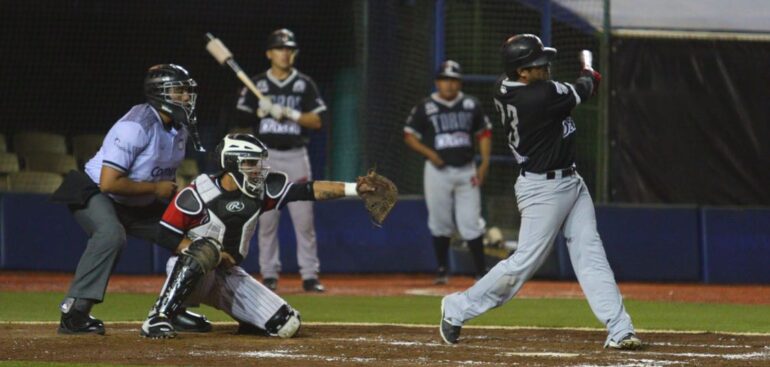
{"points": [[78, 322]]}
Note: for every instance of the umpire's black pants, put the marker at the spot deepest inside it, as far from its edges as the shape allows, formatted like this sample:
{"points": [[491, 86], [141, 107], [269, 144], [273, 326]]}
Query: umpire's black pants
{"points": [[107, 223]]}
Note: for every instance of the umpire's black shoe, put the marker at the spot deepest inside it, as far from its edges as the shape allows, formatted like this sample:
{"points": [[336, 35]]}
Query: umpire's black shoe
{"points": [[191, 322], [270, 283], [77, 322], [157, 327], [313, 285], [449, 333]]}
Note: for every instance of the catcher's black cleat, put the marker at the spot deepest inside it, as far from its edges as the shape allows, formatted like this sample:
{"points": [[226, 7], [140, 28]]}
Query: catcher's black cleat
{"points": [[77, 322], [449, 333], [191, 322], [157, 327], [245, 328], [313, 285], [270, 283]]}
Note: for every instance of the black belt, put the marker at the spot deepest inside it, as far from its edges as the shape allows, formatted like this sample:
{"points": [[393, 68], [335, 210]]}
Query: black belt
{"points": [[550, 175]]}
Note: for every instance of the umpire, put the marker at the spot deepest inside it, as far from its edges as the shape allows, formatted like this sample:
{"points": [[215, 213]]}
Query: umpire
{"points": [[123, 185]]}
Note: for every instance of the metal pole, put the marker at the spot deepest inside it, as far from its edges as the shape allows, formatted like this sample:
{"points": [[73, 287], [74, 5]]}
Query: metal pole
{"points": [[545, 23], [603, 138], [438, 34]]}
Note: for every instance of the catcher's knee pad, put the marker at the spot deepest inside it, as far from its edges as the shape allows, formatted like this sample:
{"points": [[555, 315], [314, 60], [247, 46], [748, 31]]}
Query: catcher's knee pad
{"points": [[285, 323], [204, 251]]}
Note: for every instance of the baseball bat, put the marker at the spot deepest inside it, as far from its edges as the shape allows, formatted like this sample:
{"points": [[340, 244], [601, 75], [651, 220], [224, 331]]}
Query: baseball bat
{"points": [[220, 52], [587, 58]]}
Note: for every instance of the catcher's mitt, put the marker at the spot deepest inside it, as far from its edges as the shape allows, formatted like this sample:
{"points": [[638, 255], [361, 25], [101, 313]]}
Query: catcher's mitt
{"points": [[380, 201]]}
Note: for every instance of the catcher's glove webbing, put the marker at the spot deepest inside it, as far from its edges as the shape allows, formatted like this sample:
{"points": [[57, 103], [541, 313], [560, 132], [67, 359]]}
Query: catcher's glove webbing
{"points": [[380, 201]]}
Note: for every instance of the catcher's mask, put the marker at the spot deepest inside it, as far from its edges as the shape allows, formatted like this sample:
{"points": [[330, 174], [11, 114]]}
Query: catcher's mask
{"points": [[244, 158]]}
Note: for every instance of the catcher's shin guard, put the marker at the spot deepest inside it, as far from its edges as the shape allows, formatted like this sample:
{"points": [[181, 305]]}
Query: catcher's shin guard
{"points": [[199, 258], [285, 323]]}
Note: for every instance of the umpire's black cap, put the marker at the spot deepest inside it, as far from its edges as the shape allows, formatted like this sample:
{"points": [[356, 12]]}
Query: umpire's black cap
{"points": [[281, 38], [449, 69]]}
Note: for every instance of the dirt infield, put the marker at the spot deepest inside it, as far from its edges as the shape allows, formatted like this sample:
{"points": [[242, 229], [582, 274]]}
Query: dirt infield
{"points": [[379, 345], [387, 284]]}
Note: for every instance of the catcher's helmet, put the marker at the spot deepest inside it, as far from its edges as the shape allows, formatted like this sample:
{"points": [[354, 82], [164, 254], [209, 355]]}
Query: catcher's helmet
{"points": [[525, 51], [449, 69], [281, 38], [244, 158], [164, 80]]}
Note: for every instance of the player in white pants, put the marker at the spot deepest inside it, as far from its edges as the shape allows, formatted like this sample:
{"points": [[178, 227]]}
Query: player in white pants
{"points": [[551, 196], [212, 222], [442, 128], [283, 121]]}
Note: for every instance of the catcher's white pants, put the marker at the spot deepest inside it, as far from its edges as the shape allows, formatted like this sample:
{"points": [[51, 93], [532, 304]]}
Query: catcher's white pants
{"points": [[547, 207], [296, 164], [450, 194], [235, 292]]}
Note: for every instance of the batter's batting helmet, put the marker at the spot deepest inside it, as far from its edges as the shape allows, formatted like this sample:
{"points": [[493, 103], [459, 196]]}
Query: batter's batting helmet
{"points": [[449, 69], [525, 51], [281, 38], [164, 80], [234, 151]]}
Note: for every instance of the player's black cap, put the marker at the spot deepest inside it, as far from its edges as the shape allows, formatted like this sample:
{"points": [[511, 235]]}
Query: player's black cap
{"points": [[449, 69], [281, 38]]}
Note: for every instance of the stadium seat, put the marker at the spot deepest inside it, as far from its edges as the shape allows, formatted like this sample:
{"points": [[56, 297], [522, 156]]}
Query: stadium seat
{"points": [[188, 168], [34, 182], [9, 163], [36, 142], [3, 146], [50, 162], [4, 186], [85, 146]]}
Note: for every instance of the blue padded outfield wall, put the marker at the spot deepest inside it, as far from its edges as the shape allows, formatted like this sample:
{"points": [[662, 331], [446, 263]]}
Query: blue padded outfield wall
{"points": [[643, 243]]}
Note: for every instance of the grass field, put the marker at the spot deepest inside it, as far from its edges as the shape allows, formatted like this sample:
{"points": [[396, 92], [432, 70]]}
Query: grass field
{"points": [[572, 313]]}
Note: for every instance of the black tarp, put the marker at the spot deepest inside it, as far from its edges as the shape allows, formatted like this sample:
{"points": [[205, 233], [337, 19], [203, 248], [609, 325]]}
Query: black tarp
{"points": [[690, 121]]}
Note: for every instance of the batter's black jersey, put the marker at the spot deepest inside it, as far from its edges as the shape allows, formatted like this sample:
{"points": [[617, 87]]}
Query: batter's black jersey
{"points": [[297, 91], [449, 126], [537, 120]]}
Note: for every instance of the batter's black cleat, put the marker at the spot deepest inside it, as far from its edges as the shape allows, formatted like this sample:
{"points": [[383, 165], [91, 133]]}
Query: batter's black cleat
{"points": [[270, 283], [77, 322], [449, 333], [157, 327], [190, 322], [313, 285]]}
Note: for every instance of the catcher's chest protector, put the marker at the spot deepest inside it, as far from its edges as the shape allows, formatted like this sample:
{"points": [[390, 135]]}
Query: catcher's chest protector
{"points": [[230, 217]]}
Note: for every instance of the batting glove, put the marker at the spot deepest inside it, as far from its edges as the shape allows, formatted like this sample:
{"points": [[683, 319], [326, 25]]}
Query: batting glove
{"points": [[276, 112], [291, 114], [265, 105]]}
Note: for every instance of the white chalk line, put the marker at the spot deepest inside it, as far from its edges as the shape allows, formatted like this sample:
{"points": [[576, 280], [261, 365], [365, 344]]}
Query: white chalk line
{"points": [[432, 326]]}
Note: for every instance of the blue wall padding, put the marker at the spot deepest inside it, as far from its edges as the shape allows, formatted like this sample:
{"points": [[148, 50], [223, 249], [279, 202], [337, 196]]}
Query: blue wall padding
{"points": [[646, 243], [736, 245], [40, 235], [642, 243]]}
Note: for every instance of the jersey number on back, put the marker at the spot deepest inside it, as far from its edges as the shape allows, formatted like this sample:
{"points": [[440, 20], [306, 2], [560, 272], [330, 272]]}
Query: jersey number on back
{"points": [[509, 112]]}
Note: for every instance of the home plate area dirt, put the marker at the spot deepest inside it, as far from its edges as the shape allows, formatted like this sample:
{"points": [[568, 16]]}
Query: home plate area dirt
{"points": [[379, 345]]}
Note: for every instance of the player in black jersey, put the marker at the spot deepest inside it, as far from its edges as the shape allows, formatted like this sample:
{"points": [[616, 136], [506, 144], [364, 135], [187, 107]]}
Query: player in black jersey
{"points": [[442, 128], [283, 122], [551, 195]]}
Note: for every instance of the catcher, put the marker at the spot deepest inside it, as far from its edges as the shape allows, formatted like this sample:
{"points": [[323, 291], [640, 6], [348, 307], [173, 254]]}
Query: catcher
{"points": [[209, 226]]}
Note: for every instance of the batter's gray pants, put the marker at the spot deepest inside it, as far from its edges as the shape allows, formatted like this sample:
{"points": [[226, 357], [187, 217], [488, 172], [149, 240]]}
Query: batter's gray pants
{"points": [[296, 164], [547, 207], [106, 224]]}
